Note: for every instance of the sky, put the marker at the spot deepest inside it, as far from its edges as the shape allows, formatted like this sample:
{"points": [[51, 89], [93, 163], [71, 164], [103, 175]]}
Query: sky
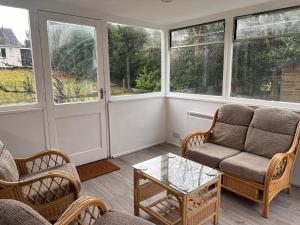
{"points": [[16, 19]]}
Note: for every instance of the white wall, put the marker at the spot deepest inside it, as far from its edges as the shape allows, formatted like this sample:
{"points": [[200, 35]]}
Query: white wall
{"points": [[136, 124], [23, 132]]}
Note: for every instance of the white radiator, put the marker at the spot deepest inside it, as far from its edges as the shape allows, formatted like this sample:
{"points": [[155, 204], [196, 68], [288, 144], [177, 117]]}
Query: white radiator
{"points": [[196, 121]]}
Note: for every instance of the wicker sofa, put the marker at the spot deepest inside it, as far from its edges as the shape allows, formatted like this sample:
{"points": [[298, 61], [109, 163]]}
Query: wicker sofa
{"points": [[46, 181], [84, 211], [255, 148]]}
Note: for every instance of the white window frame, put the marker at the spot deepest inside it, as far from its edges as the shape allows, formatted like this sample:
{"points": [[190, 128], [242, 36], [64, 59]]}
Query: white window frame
{"points": [[162, 92], [228, 56], [36, 65]]}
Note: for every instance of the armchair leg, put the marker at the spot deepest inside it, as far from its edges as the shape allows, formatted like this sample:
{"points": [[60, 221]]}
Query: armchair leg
{"points": [[289, 189]]}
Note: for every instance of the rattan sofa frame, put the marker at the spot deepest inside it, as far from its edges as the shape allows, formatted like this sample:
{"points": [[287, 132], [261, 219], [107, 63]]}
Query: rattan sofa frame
{"points": [[277, 178], [50, 210]]}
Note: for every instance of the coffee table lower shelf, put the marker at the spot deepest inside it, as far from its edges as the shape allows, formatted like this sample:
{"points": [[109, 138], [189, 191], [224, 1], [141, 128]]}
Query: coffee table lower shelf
{"points": [[172, 208]]}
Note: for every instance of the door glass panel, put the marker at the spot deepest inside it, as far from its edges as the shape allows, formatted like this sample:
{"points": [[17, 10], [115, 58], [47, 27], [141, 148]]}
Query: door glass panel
{"points": [[73, 62]]}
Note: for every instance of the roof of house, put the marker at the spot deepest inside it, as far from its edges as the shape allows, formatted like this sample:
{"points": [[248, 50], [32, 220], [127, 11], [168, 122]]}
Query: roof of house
{"points": [[8, 37]]}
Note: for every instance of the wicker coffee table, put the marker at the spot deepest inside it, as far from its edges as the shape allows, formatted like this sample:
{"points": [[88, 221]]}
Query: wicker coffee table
{"points": [[175, 190]]}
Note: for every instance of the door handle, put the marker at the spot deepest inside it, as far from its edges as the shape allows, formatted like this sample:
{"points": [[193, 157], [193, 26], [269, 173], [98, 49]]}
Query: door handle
{"points": [[101, 93]]}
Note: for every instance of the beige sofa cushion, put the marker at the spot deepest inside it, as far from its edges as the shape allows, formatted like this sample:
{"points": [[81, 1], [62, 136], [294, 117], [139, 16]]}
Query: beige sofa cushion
{"points": [[232, 126], [246, 165], [271, 131], [8, 168], [16, 213], [210, 154], [118, 218], [56, 191]]}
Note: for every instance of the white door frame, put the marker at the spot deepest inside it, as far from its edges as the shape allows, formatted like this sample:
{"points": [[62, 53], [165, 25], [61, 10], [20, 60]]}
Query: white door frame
{"points": [[73, 109]]}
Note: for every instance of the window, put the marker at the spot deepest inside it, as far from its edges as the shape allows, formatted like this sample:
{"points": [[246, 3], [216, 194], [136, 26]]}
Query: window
{"points": [[266, 56], [197, 55], [3, 53], [73, 62], [135, 59], [17, 83]]}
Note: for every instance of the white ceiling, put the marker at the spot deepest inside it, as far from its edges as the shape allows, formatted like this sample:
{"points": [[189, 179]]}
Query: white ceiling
{"points": [[157, 12]]}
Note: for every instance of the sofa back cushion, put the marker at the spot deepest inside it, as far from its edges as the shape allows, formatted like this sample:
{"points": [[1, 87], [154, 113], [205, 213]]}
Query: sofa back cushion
{"points": [[232, 125], [8, 168], [271, 131]]}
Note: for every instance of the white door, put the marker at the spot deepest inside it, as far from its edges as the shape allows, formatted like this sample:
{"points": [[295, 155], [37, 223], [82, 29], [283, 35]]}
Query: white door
{"points": [[74, 85]]}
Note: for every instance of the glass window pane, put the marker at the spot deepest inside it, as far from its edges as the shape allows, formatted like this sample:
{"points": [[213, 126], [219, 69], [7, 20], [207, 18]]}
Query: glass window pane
{"points": [[17, 83], [135, 59], [279, 22], [267, 69], [73, 62], [199, 34], [198, 68]]}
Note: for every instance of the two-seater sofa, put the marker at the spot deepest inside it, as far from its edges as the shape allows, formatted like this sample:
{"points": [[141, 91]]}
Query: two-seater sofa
{"points": [[254, 148]]}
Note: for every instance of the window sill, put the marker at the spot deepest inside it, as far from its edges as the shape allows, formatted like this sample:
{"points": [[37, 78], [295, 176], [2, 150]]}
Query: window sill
{"points": [[197, 97], [20, 109], [250, 102], [135, 97]]}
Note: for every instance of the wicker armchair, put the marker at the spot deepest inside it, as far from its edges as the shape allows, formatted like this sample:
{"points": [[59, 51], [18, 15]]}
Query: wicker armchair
{"points": [[84, 211], [257, 167], [47, 181]]}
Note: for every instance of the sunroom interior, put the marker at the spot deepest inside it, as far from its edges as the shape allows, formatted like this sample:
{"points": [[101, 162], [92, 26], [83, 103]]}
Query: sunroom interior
{"points": [[161, 90]]}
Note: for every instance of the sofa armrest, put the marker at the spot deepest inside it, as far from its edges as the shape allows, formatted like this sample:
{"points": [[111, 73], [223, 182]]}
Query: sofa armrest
{"points": [[85, 210], [194, 139], [41, 161], [281, 165]]}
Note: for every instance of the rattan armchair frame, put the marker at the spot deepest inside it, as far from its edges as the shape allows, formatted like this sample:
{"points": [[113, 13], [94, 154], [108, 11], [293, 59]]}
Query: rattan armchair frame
{"points": [[277, 178], [64, 183], [85, 210]]}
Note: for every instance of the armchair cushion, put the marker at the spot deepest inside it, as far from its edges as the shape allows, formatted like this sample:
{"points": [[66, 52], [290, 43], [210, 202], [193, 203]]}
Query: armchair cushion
{"points": [[232, 125], [56, 191], [246, 165], [118, 218], [271, 131], [13, 212], [8, 168], [210, 154]]}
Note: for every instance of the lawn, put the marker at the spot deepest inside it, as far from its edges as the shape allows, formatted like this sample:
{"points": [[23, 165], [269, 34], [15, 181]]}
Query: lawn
{"points": [[15, 83], [18, 87]]}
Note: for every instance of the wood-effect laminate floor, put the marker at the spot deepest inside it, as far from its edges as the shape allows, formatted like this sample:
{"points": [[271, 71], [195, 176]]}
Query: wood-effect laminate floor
{"points": [[116, 190]]}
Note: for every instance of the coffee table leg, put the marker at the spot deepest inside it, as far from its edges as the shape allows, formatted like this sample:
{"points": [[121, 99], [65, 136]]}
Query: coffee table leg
{"points": [[217, 216], [184, 210], [135, 198]]}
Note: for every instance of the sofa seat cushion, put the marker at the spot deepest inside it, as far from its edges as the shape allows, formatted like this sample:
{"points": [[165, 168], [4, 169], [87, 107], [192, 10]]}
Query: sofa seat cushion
{"points": [[271, 131], [56, 191], [13, 212], [8, 168], [232, 125], [210, 154], [118, 218], [247, 166]]}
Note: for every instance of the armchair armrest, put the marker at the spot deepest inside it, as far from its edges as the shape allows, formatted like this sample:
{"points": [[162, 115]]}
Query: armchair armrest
{"points": [[42, 160], [36, 189], [85, 210]]}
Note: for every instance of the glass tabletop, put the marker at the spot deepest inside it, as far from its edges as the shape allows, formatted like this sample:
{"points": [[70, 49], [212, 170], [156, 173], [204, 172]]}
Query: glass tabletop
{"points": [[177, 172]]}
